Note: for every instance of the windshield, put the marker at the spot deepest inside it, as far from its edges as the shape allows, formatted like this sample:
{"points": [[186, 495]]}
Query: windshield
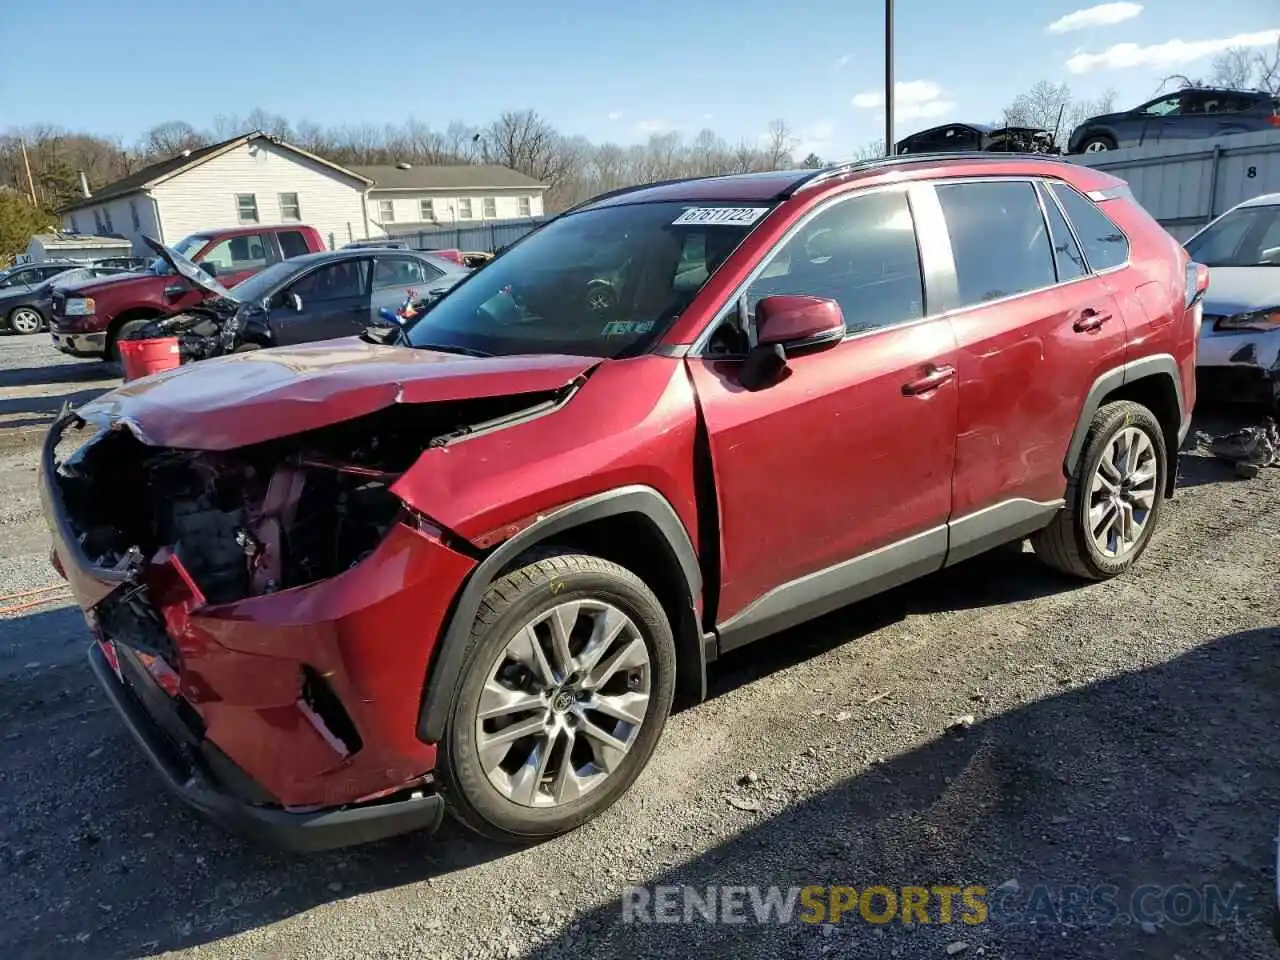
{"points": [[1249, 237], [187, 246], [600, 283], [262, 283]]}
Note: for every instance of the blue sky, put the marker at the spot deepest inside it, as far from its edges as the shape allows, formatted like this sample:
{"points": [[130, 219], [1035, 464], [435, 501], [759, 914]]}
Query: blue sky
{"points": [[603, 69]]}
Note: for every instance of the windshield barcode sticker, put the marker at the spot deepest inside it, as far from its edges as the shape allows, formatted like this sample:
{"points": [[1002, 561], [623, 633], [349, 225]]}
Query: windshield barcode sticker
{"points": [[726, 216]]}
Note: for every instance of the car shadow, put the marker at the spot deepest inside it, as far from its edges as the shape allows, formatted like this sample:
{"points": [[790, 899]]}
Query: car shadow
{"points": [[1167, 776], [33, 410], [55, 373]]}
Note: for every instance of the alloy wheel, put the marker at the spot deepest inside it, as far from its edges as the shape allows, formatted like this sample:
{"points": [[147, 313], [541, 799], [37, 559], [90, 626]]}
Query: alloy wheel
{"points": [[1096, 146], [24, 321], [563, 703], [1123, 492]]}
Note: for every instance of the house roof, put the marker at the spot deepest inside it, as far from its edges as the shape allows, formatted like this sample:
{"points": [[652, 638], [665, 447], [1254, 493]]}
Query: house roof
{"points": [[52, 241], [163, 170], [466, 176]]}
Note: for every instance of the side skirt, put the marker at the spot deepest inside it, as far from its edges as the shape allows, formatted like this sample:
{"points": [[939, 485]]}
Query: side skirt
{"points": [[890, 566]]}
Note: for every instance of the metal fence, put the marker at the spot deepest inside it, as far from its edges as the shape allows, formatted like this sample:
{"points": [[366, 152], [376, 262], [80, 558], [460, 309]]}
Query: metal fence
{"points": [[1185, 184], [481, 237]]}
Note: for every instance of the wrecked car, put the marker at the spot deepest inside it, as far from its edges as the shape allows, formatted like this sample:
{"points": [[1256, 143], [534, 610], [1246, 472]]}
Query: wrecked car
{"points": [[1239, 355], [318, 296], [336, 588], [959, 137]]}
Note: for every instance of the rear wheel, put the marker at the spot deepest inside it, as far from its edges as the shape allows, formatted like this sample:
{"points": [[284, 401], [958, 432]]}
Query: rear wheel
{"points": [[568, 681], [1114, 502], [1099, 143], [26, 321]]}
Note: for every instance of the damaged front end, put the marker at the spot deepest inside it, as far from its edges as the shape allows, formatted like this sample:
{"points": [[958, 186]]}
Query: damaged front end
{"points": [[268, 612]]}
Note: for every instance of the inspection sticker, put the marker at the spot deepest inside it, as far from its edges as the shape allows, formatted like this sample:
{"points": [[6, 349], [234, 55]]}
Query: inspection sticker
{"points": [[728, 216]]}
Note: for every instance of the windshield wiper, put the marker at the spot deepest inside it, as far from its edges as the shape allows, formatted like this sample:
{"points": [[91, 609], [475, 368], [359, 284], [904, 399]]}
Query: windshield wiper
{"points": [[451, 348]]}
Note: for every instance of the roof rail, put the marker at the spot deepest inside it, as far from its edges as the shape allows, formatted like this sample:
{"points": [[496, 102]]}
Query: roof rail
{"points": [[856, 166]]}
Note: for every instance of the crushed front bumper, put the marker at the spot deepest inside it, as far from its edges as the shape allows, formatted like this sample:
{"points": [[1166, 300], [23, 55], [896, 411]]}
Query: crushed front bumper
{"points": [[84, 345], [264, 756], [1238, 365], [205, 779]]}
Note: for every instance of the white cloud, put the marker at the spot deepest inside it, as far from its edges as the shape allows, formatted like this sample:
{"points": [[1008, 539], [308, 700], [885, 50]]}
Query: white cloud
{"points": [[912, 100], [707, 116], [1103, 15], [1174, 53], [653, 126], [844, 60], [615, 114]]}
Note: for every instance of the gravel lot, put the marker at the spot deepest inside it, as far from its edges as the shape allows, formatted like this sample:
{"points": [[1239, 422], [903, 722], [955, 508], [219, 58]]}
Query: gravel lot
{"points": [[1122, 733]]}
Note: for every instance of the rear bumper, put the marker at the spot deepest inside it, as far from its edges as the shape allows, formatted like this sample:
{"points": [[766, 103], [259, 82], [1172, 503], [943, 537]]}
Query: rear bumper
{"points": [[184, 769]]}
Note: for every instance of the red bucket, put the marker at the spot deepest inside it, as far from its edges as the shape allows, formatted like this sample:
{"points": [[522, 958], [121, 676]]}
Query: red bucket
{"points": [[141, 358]]}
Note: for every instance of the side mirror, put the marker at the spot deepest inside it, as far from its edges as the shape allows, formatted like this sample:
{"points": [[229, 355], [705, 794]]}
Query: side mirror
{"points": [[294, 301], [210, 268], [789, 324]]}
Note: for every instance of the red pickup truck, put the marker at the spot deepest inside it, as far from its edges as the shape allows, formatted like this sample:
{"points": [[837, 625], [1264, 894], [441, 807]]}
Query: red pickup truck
{"points": [[87, 318]]}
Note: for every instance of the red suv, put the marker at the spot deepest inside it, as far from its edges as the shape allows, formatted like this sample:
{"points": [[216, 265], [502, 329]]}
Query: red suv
{"points": [[90, 316], [471, 567]]}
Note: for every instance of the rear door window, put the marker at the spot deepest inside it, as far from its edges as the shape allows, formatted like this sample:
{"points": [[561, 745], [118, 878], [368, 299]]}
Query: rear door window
{"points": [[999, 239], [1105, 246], [1067, 257], [334, 281], [292, 244]]}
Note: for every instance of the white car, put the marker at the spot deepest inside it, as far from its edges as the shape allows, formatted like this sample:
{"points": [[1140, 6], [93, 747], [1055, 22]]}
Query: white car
{"points": [[1239, 355]]}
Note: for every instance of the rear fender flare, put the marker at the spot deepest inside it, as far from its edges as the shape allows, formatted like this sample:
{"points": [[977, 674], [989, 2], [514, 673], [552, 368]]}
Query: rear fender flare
{"points": [[1157, 365], [447, 663]]}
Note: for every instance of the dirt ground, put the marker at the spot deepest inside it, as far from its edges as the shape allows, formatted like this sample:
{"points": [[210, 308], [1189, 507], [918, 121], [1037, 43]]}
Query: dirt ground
{"points": [[1108, 736]]}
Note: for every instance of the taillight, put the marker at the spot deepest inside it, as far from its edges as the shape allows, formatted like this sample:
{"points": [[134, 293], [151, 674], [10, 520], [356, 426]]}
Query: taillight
{"points": [[1197, 282]]}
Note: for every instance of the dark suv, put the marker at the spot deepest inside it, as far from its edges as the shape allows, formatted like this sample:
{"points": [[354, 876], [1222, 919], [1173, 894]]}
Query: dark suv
{"points": [[473, 569], [1196, 113]]}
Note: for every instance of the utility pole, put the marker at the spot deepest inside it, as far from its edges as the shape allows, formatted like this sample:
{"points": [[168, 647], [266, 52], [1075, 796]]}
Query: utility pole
{"points": [[888, 78], [31, 184]]}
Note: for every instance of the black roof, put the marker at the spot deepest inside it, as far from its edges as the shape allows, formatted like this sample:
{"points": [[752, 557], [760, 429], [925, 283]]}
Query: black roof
{"points": [[140, 178]]}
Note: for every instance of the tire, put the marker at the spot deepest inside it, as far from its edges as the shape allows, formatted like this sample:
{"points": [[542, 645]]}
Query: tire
{"points": [[246, 347], [513, 811], [25, 321], [1067, 544], [1098, 143]]}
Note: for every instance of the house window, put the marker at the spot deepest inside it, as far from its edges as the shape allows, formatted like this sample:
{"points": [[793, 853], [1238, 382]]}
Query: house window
{"points": [[490, 208], [289, 209], [525, 207], [247, 207], [386, 211], [133, 215], [75, 226], [464, 208], [106, 221], [97, 220], [426, 209]]}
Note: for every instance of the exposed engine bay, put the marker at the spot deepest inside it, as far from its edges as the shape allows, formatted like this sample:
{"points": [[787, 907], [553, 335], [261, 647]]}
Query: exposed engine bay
{"points": [[263, 518], [209, 329]]}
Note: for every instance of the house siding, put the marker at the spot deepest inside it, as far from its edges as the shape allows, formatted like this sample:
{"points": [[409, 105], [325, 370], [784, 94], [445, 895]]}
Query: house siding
{"points": [[406, 205], [204, 197], [113, 218]]}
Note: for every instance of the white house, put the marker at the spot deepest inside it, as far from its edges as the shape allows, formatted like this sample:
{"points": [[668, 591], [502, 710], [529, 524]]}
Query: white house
{"points": [[254, 178], [405, 197]]}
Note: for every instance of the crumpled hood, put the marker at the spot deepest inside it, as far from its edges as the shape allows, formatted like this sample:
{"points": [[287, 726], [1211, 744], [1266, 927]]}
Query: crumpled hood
{"points": [[246, 398], [1235, 290]]}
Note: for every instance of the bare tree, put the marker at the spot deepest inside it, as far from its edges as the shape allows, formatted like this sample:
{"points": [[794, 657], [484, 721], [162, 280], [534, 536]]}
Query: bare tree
{"points": [[779, 142], [170, 138], [1051, 106]]}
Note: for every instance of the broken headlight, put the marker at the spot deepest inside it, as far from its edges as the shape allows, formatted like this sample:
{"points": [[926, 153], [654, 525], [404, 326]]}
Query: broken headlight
{"points": [[1262, 320]]}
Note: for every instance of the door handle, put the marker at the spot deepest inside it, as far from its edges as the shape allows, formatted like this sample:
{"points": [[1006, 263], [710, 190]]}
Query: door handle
{"points": [[936, 377], [1090, 321]]}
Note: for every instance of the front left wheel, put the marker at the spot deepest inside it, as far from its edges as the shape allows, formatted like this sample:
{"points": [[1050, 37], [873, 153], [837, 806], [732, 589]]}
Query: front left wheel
{"points": [[566, 687]]}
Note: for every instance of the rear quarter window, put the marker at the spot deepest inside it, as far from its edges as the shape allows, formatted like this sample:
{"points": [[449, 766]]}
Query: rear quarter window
{"points": [[1105, 245]]}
